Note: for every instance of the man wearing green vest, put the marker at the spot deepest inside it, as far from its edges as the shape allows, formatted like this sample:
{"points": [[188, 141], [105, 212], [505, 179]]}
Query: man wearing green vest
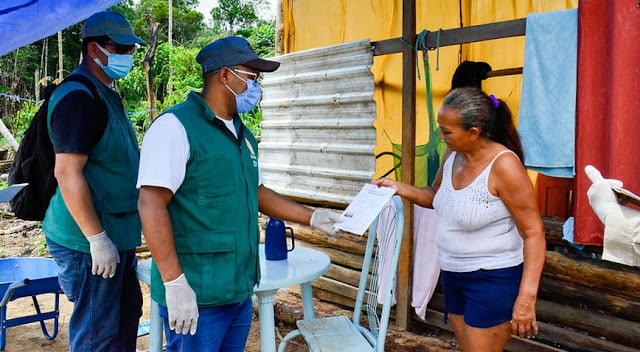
{"points": [[92, 225], [200, 193]]}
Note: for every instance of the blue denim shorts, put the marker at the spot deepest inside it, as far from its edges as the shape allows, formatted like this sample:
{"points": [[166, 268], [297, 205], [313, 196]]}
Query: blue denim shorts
{"points": [[484, 297]]}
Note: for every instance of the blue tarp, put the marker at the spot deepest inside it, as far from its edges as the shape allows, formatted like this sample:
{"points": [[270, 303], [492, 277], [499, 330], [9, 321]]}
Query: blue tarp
{"points": [[23, 22]]}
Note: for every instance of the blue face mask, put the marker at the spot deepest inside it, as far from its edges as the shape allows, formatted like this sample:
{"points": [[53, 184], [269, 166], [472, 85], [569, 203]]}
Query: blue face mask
{"points": [[246, 100], [119, 64]]}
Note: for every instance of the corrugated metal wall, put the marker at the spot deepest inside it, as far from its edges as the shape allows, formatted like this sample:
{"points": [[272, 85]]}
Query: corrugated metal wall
{"points": [[317, 130]]}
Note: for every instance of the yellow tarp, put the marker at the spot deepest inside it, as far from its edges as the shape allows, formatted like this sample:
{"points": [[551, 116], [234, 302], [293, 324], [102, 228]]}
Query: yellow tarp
{"points": [[317, 23]]}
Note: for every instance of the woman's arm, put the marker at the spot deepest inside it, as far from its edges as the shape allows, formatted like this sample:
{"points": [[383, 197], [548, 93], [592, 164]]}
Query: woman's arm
{"points": [[422, 196], [510, 182]]}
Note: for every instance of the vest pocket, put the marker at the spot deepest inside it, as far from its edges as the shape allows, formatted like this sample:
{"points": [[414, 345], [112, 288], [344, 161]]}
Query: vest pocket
{"points": [[209, 262]]}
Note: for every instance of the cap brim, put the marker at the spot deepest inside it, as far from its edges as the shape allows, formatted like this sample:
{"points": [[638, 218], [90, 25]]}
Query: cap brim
{"points": [[126, 39], [262, 65]]}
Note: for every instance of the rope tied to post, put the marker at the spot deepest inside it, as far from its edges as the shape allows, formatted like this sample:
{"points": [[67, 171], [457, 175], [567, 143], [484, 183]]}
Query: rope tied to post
{"points": [[421, 45]]}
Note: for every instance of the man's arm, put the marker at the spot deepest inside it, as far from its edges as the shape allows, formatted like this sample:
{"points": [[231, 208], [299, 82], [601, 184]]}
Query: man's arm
{"points": [[77, 197], [156, 225], [157, 230], [75, 191], [277, 206]]}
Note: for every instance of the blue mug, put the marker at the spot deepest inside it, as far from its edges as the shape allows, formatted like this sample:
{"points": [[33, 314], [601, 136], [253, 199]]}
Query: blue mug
{"points": [[275, 240]]}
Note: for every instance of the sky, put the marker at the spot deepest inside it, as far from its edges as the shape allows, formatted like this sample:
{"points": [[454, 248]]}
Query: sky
{"points": [[205, 7]]}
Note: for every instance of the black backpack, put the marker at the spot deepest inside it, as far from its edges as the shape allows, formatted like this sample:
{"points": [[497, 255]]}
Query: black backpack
{"points": [[35, 160]]}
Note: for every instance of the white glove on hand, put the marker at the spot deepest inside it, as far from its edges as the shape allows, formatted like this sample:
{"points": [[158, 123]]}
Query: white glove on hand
{"points": [[182, 306], [325, 220], [104, 255], [601, 196]]}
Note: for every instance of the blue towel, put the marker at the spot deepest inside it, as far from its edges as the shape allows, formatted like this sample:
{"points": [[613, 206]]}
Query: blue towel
{"points": [[548, 101], [567, 233]]}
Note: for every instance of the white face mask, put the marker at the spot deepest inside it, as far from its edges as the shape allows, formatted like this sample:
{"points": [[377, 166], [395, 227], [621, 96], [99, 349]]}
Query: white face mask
{"points": [[119, 64], [246, 100]]}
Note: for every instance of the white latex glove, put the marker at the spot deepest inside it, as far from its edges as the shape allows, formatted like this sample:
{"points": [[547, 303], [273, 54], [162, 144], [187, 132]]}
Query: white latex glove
{"points": [[104, 255], [601, 196], [621, 223], [182, 306], [325, 220]]}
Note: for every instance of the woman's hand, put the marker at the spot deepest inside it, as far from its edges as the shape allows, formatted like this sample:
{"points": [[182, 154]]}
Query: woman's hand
{"points": [[523, 321], [385, 182]]}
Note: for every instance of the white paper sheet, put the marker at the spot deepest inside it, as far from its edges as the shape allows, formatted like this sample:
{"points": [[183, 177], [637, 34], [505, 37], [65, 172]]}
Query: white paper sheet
{"points": [[364, 208]]}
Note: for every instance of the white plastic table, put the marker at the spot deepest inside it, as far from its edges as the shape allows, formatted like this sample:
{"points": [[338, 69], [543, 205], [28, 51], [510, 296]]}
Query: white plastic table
{"points": [[301, 267]]}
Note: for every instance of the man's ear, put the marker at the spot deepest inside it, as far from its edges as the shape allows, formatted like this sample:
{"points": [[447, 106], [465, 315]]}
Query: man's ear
{"points": [[92, 50], [223, 75]]}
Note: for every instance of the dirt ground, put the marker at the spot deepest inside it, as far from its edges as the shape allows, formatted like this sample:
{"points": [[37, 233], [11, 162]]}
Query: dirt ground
{"points": [[24, 239], [29, 337]]}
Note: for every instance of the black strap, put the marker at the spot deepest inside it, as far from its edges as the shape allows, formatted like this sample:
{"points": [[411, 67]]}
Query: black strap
{"points": [[84, 80]]}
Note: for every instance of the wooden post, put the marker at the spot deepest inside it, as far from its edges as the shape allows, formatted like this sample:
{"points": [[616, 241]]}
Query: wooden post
{"points": [[60, 57], [279, 47], [403, 307], [8, 136], [146, 64]]}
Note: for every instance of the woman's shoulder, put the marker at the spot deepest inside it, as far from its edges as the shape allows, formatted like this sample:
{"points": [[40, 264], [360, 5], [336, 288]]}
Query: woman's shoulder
{"points": [[507, 165]]}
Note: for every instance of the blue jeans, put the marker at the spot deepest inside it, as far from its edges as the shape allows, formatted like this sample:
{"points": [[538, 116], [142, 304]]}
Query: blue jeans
{"points": [[105, 311], [220, 329]]}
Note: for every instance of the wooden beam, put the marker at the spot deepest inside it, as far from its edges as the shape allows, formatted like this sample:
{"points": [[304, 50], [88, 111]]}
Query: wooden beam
{"points": [[505, 72], [405, 265], [455, 36], [563, 337], [617, 280]]}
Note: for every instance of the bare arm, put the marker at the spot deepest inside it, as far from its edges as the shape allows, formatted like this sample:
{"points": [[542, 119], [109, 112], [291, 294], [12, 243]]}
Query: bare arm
{"points": [[75, 191], [157, 230], [422, 196], [273, 204], [511, 183]]}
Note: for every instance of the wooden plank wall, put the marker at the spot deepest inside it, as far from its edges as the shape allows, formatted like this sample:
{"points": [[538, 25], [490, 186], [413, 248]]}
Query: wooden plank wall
{"points": [[584, 304]]}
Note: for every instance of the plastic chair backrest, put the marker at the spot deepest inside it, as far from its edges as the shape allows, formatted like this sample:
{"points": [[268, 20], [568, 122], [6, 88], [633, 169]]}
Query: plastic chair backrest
{"points": [[379, 271]]}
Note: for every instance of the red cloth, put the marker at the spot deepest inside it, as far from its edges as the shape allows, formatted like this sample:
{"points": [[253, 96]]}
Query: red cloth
{"points": [[608, 108]]}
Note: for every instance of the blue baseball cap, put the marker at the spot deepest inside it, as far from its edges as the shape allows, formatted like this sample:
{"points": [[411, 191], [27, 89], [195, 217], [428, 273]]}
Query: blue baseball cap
{"points": [[111, 24], [232, 51]]}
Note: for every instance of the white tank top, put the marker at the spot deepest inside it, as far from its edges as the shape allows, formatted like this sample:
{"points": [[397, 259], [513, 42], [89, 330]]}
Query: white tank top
{"points": [[475, 229]]}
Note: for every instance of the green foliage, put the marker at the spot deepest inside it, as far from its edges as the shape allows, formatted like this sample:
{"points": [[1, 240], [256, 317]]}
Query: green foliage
{"points": [[252, 120], [262, 38], [187, 22], [40, 249], [232, 15], [177, 68], [23, 118]]}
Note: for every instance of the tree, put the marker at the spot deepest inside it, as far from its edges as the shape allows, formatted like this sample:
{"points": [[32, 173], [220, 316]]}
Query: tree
{"points": [[233, 15], [187, 22]]}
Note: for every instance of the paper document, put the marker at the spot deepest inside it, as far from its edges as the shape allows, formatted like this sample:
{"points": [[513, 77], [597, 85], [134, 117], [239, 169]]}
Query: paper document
{"points": [[626, 197], [8, 193], [364, 208]]}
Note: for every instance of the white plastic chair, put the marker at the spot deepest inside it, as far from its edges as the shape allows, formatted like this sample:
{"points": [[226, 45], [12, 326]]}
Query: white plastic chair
{"points": [[377, 283]]}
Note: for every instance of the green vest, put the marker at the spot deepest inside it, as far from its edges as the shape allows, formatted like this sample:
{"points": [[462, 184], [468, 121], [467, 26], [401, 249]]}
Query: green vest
{"points": [[214, 213], [111, 172]]}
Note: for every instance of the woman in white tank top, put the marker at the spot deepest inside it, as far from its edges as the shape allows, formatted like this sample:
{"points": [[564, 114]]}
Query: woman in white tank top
{"points": [[488, 219]]}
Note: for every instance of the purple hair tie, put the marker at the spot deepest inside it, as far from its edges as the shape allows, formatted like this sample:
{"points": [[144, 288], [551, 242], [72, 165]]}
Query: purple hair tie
{"points": [[494, 101]]}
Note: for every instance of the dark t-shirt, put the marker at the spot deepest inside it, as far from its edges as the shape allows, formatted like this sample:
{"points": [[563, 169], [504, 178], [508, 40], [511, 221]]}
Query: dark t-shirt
{"points": [[76, 124]]}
